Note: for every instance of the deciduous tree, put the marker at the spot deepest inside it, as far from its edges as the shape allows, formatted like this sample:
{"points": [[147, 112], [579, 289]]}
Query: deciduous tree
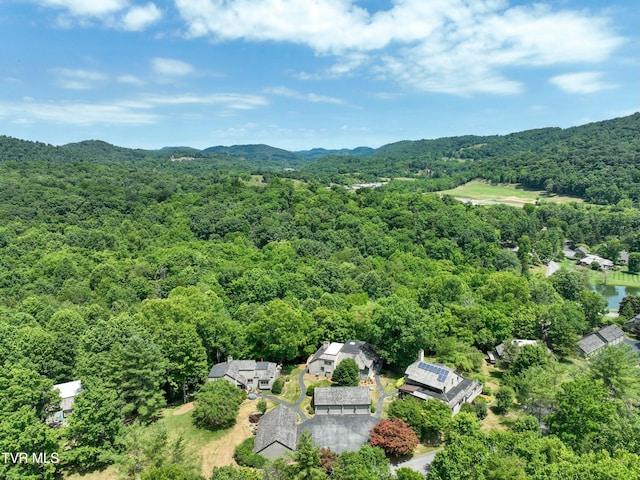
{"points": [[216, 405], [394, 436]]}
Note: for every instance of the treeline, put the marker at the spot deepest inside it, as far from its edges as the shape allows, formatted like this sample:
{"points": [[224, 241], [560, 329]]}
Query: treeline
{"points": [[598, 162]]}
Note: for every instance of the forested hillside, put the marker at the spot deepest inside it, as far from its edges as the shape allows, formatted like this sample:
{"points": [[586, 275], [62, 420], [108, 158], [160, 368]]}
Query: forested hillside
{"points": [[135, 273], [599, 162]]}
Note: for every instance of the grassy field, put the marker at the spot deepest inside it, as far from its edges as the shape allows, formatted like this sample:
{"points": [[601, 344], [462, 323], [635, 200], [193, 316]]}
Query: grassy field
{"points": [[291, 391], [621, 278], [484, 193]]}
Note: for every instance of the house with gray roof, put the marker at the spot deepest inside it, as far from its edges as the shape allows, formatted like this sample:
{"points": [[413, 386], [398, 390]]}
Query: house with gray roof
{"points": [[68, 392], [581, 252], [590, 344], [246, 374], [516, 345], [342, 401], [329, 355], [433, 380], [603, 262], [277, 433], [633, 325]]}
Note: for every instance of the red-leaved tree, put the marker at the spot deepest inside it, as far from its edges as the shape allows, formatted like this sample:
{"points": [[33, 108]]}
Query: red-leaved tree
{"points": [[394, 436]]}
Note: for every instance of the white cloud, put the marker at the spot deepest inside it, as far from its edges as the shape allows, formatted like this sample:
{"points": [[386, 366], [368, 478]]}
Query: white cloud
{"points": [[233, 101], [308, 97], [139, 18], [130, 79], [581, 82], [76, 113], [118, 14], [78, 79], [455, 46], [86, 8], [171, 67]]}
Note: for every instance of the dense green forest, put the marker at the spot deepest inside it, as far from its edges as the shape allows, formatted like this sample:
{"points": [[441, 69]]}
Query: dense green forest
{"points": [[135, 273]]}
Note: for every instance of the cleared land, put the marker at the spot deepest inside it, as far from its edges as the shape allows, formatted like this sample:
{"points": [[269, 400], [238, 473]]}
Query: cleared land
{"points": [[623, 279], [484, 193]]}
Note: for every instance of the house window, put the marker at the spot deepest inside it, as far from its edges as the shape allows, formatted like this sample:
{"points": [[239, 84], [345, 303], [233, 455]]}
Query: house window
{"points": [[328, 362]]}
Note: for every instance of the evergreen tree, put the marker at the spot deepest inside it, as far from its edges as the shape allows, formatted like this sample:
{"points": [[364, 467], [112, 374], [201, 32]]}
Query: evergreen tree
{"points": [[137, 369], [347, 373]]}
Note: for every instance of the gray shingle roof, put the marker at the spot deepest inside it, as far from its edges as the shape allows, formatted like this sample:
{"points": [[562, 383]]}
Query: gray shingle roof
{"points": [[232, 368], [341, 396], [590, 343], [278, 425], [610, 333]]}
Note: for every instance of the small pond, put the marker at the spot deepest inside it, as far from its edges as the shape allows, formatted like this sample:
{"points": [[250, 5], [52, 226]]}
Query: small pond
{"points": [[614, 293]]}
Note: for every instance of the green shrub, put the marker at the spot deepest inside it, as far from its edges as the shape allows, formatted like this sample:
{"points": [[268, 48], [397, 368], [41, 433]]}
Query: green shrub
{"points": [[310, 390], [276, 389], [262, 405], [245, 457], [480, 406], [216, 405]]}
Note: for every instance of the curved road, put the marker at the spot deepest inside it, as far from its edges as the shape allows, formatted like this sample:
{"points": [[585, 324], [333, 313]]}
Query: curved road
{"points": [[421, 463]]}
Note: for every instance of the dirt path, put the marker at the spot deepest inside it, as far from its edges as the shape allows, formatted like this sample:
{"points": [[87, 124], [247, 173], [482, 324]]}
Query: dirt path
{"points": [[220, 452], [184, 409]]}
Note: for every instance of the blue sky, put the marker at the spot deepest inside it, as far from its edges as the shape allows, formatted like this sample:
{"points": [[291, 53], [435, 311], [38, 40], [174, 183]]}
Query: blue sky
{"points": [[299, 74]]}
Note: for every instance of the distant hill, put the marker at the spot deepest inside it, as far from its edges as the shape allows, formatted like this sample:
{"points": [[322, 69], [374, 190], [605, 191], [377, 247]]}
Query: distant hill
{"points": [[599, 162], [315, 153], [178, 149], [265, 154]]}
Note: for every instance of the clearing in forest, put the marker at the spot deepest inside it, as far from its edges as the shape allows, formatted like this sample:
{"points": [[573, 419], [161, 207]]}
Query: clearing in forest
{"points": [[480, 192]]}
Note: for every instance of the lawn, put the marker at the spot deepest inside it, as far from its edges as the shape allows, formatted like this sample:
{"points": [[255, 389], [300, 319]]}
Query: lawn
{"points": [[389, 380], [291, 391], [510, 194], [614, 277], [178, 423]]}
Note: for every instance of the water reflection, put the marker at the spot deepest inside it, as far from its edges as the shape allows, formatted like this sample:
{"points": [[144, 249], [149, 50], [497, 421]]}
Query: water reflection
{"points": [[614, 293]]}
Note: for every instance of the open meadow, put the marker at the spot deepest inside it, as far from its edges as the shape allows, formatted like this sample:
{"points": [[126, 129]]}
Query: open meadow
{"points": [[484, 193]]}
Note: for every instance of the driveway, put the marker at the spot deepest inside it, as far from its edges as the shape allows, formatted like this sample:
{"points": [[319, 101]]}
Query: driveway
{"points": [[634, 344], [340, 433], [421, 463]]}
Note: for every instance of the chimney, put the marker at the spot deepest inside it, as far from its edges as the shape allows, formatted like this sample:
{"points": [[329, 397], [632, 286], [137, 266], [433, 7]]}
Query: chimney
{"points": [[421, 355]]}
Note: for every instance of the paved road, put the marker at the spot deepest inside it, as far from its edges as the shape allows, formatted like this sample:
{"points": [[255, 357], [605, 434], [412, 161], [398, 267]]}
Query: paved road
{"points": [[634, 344], [421, 463], [552, 268]]}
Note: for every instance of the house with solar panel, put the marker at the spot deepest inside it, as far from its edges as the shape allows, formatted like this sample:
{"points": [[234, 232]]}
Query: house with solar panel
{"points": [[329, 356], [246, 374], [426, 380]]}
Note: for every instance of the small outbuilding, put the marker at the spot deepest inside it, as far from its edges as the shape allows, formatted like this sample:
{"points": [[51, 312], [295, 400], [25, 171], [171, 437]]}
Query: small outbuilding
{"points": [[590, 344], [277, 433], [342, 401]]}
